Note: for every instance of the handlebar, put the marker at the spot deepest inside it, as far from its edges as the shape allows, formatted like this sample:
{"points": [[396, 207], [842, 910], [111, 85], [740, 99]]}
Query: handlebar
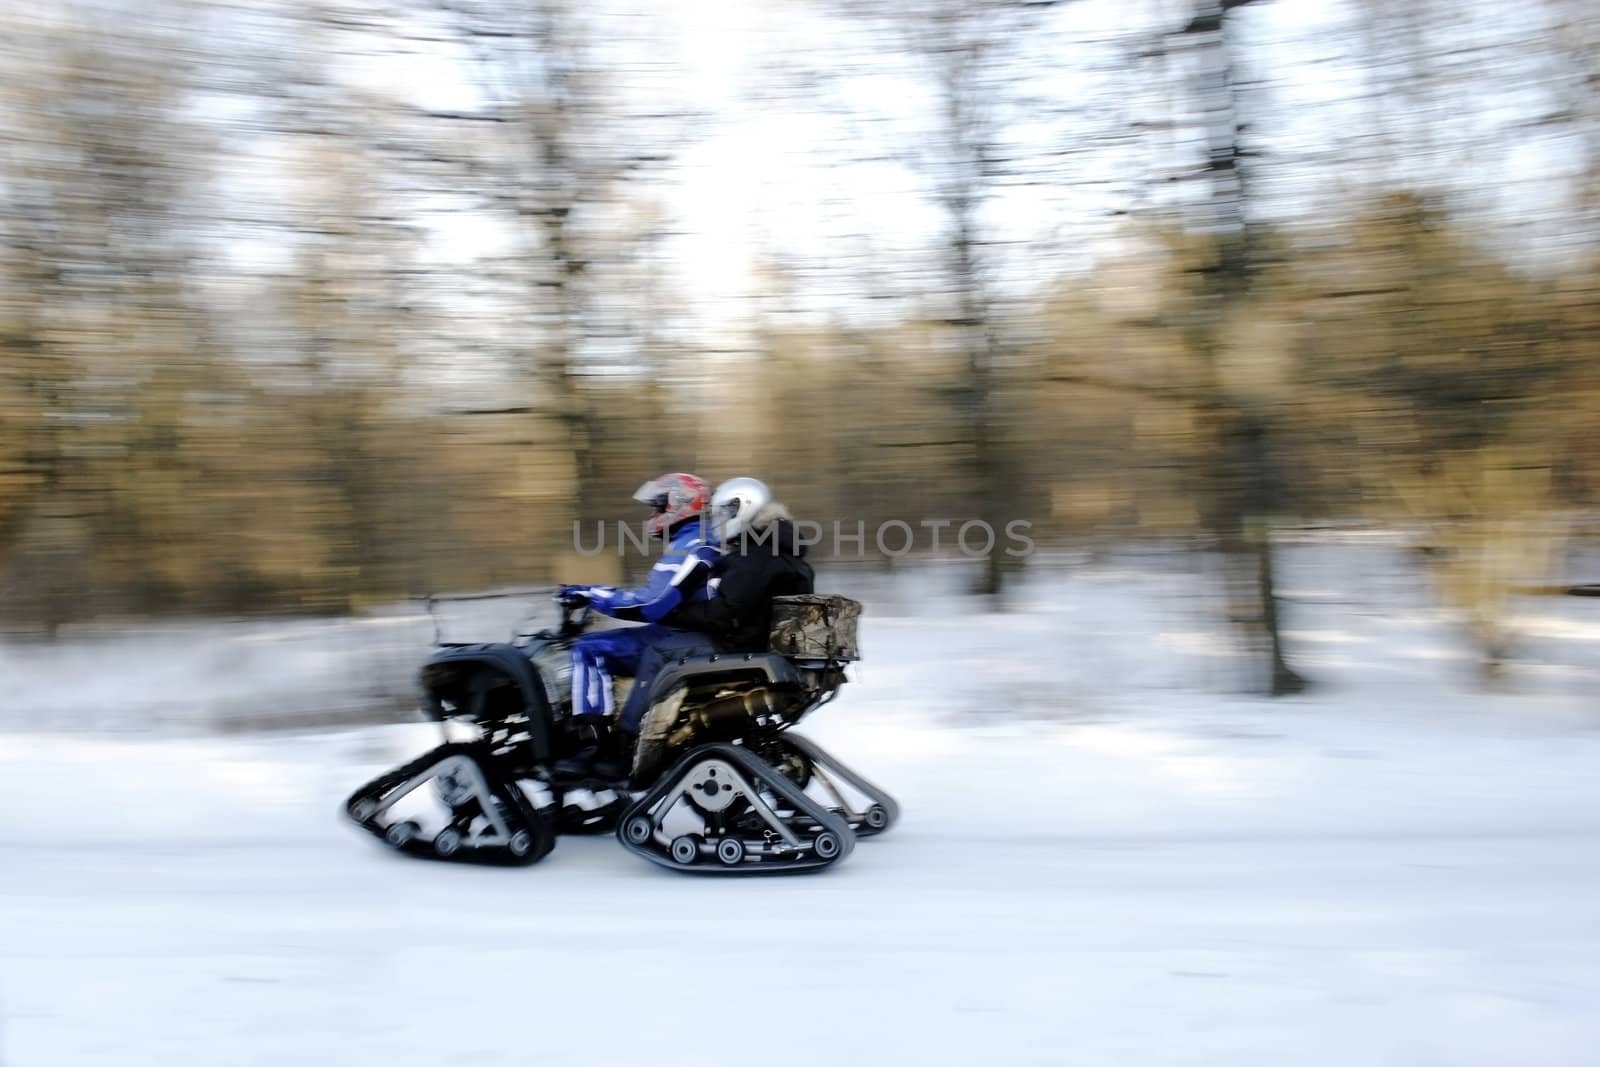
{"points": [[574, 616], [574, 613]]}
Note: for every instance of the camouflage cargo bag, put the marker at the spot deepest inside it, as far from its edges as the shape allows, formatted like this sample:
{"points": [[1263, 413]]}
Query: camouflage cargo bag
{"points": [[815, 626]]}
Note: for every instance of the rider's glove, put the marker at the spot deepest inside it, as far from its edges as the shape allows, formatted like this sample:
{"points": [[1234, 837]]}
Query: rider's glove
{"points": [[572, 594]]}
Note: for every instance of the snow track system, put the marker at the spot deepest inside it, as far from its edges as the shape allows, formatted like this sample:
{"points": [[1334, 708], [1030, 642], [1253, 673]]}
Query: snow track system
{"points": [[719, 810], [808, 764], [475, 814]]}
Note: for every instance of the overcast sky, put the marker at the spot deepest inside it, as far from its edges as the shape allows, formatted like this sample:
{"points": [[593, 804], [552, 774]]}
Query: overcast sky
{"points": [[813, 179]]}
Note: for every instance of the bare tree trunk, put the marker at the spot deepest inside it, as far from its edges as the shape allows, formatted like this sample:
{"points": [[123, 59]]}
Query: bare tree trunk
{"points": [[960, 49], [988, 463], [1243, 495]]}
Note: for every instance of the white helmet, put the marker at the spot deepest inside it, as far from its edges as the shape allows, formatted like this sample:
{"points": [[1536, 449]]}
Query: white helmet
{"points": [[735, 505]]}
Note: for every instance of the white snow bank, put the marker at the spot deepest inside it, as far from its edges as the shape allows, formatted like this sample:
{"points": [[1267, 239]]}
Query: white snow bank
{"points": [[1079, 639]]}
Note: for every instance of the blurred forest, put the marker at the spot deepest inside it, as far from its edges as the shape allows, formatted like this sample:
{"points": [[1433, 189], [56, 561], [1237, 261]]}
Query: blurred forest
{"points": [[305, 305]]}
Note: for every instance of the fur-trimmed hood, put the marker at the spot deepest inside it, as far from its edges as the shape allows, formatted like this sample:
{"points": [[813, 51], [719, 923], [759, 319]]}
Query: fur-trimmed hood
{"points": [[773, 512], [766, 561], [773, 530]]}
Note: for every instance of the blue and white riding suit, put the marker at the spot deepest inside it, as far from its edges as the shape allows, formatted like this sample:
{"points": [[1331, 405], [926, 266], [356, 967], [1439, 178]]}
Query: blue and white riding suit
{"points": [[679, 577]]}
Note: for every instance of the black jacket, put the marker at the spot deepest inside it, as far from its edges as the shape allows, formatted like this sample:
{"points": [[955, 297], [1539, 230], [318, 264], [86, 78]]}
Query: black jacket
{"points": [[760, 565]]}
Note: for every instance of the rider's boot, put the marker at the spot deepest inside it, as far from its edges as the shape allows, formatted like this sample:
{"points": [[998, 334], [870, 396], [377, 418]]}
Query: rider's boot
{"points": [[591, 734], [615, 761]]}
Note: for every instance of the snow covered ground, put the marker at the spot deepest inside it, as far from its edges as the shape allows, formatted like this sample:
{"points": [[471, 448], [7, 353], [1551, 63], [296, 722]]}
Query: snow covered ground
{"points": [[1106, 858]]}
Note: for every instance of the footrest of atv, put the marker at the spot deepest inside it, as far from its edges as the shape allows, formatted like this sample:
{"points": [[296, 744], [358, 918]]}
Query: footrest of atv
{"points": [[721, 810], [474, 814], [591, 810]]}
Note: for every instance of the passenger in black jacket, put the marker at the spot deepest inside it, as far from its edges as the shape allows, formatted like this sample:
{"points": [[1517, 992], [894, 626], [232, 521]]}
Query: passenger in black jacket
{"points": [[762, 557]]}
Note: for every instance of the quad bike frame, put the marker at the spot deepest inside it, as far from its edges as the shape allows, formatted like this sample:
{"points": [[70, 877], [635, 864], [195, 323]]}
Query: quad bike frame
{"points": [[719, 783]]}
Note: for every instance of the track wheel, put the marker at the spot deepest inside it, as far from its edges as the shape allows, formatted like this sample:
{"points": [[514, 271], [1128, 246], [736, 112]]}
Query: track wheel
{"points": [[639, 829], [826, 845], [401, 832], [730, 850], [447, 842], [686, 849]]}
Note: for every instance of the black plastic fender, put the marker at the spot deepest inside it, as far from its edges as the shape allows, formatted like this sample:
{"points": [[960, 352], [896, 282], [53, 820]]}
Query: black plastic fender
{"points": [[508, 660]]}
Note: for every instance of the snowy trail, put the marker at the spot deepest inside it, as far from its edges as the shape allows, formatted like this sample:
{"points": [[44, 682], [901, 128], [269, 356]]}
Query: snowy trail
{"points": [[1101, 862], [1412, 952], [1202, 889]]}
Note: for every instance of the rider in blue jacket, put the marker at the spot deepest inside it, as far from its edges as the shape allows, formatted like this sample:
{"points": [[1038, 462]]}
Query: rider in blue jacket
{"points": [[678, 578]]}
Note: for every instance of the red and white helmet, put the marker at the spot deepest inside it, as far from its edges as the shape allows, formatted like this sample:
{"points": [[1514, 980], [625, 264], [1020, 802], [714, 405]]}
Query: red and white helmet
{"points": [[675, 498]]}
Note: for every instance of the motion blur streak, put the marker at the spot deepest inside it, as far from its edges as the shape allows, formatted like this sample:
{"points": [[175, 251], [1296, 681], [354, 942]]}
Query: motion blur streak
{"points": [[1276, 323]]}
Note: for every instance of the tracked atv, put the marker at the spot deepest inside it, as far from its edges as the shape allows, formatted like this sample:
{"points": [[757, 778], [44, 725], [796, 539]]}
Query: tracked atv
{"points": [[718, 782]]}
